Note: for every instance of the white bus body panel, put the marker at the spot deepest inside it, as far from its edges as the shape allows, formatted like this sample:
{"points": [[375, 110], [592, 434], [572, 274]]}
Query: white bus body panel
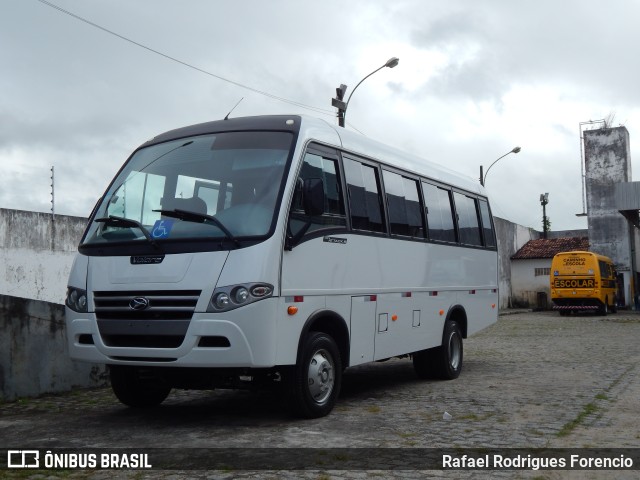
{"points": [[416, 283]]}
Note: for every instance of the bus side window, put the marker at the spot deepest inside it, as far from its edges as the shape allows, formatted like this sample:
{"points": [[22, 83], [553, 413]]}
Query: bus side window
{"points": [[439, 213], [467, 219], [487, 224], [326, 169], [403, 201], [364, 196]]}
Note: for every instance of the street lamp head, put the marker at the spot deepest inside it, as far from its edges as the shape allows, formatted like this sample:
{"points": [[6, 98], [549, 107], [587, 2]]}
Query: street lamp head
{"points": [[392, 62], [340, 91], [484, 176]]}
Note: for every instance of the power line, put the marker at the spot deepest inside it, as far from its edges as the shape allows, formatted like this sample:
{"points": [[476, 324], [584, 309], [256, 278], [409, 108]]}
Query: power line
{"points": [[198, 69]]}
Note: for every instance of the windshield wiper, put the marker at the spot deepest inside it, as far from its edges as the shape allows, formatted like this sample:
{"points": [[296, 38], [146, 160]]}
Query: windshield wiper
{"points": [[189, 216], [122, 222]]}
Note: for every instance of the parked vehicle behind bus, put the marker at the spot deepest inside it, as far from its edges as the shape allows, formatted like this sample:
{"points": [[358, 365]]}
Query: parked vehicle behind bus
{"points": [[278, 250], [583, 281]]}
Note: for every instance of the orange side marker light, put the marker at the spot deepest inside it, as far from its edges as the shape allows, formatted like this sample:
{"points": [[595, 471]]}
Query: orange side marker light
{"points": [[292, 309], [394, 317], [441, 312]]}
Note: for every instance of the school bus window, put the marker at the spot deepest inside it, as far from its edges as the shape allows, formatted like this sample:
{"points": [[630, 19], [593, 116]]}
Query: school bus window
{"points": [[439, 213], [467, 219], [364, 196], [317, 166], [487, 225], [403, 201]]}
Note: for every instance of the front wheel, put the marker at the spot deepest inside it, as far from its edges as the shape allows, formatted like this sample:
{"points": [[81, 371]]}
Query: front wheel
{"points": [[317, 377], [445, 361], [137, 387]]}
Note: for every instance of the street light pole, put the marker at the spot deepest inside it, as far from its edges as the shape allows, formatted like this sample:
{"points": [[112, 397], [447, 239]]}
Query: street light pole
{"points": [[340, 91], [484, 177]]}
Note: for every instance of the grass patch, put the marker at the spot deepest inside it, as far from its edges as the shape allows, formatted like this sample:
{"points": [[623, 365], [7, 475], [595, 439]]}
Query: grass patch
{"points": [[588, 409], [475, 418], [373, 409]]}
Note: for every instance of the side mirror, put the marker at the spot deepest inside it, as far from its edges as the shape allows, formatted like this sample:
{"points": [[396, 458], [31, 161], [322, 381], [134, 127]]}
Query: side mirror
{"points": [[313, 196]]}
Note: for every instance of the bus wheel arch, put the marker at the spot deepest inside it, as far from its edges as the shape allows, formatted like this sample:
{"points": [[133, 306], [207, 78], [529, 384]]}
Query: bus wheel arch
{"points": [[445, 361], [333, 325], [317, 376], [457, 314]]}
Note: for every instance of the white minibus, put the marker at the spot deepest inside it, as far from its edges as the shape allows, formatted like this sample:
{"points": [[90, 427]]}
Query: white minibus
{"points": [[278, 250]]}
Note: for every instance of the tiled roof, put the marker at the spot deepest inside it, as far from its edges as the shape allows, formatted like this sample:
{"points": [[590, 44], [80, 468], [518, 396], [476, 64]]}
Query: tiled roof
{"points": [[547, 248]]}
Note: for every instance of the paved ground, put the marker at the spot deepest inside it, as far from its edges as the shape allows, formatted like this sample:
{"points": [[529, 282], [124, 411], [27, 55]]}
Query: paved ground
{"points": [[531, 380]]}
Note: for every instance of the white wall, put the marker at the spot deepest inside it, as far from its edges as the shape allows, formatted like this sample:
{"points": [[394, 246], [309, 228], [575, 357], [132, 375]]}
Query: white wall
{"points": [[36, 253], [511, 237], [525, 286]]}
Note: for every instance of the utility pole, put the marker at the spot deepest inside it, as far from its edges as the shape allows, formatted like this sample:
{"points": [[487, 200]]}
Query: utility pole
{"points": [[53, 204], [53, 210], [340, 104], [544, 199]]}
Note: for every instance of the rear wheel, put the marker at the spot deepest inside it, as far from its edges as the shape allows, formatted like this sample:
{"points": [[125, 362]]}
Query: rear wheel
{"points": [[137, 387], [316, 380], [445, 361], [604, 308]]}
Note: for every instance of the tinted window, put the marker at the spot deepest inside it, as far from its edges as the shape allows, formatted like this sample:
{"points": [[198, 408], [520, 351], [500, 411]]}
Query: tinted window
{"points": [[316, 165], [364, 196], [439, 213], [487, 225], [467, 219], [403, 201]]}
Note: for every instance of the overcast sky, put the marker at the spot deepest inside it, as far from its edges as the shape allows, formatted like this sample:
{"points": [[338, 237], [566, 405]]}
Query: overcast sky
{"points": [[475, 79]]}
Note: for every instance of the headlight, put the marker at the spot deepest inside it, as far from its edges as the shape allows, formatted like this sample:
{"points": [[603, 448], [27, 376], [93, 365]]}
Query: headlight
{"points": [[240, 295], [76, 299], [234, 296], [221, 301]]}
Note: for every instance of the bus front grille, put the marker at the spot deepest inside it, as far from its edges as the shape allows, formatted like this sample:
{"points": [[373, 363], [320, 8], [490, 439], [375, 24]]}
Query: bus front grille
{"points": [[145, 319]]}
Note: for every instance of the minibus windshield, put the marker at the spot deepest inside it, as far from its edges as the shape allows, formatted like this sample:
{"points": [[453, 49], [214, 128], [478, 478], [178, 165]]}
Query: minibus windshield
{"points": [[222, 186]]}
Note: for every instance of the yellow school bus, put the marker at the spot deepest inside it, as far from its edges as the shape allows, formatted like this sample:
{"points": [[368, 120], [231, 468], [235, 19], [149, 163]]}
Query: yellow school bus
{"points": [[583, 281]]}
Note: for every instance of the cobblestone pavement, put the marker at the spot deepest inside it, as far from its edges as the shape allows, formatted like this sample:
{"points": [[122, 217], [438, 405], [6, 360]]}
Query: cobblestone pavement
{"points": [[532, 380]]}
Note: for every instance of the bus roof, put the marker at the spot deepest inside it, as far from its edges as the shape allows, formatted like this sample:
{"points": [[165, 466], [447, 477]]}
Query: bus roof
{"points": [[311, 128], [584, 252]]}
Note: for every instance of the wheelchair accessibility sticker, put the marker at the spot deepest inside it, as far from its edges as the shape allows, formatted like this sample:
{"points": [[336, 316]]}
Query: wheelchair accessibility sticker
{"points": [[162, 228]]}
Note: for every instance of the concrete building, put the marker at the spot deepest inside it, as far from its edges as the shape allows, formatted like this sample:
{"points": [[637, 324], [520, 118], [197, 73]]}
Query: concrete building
{"points": [[607, 164]]}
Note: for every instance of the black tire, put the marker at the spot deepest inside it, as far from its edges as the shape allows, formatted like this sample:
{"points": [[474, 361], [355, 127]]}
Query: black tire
{"points": [[137, 387], [614, 305], [443, 362], [316, 379], [604, 308]]}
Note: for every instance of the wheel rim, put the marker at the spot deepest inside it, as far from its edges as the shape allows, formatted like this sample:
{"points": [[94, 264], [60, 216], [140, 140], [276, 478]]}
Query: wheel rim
{"points": [[455, 350], [320, 376]]}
